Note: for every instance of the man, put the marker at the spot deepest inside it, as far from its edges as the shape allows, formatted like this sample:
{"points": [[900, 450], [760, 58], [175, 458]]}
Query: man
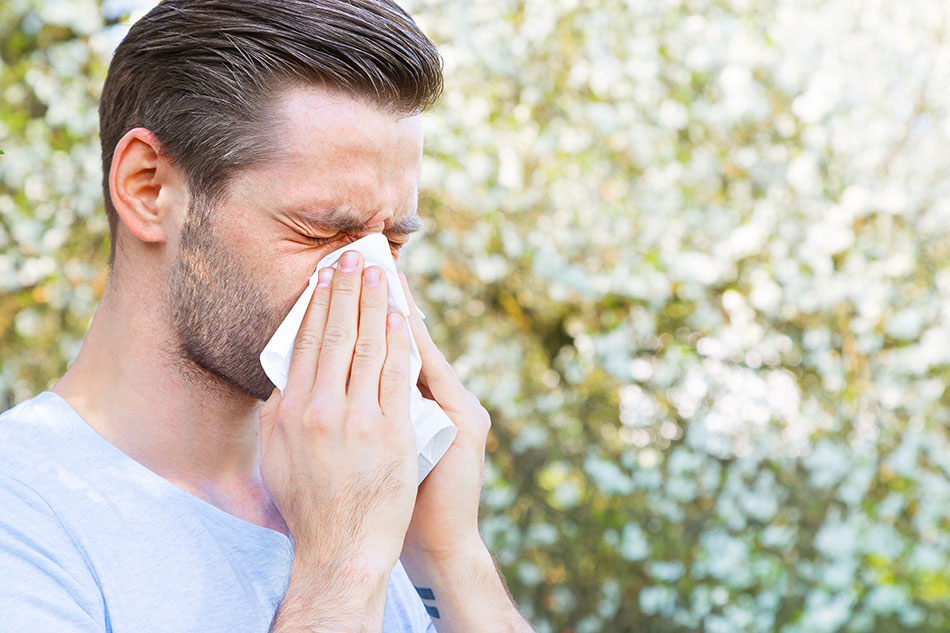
{"points": [[149, 490]]}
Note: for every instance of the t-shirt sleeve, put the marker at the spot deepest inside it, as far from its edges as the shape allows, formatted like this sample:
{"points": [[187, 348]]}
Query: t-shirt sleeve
{"points": [[45, 583]]}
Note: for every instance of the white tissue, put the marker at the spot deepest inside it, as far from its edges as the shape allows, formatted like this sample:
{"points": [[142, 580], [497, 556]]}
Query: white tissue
{"points": [[434, 430]]}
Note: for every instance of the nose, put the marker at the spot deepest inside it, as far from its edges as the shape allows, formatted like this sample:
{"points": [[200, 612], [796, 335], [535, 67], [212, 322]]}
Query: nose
{"points": [[378, 222]]}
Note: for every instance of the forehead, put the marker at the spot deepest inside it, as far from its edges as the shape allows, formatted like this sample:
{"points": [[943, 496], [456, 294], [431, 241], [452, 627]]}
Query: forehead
{"points": [[339, 153], [304, 113]]}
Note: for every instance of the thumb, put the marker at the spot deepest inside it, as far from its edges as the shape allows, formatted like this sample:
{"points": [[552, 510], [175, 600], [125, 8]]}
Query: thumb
{"points": [[268, 415], [437, 376]]}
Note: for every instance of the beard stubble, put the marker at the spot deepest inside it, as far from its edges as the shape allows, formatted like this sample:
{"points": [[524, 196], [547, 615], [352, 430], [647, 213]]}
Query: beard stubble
{"points": [[222, 318]]}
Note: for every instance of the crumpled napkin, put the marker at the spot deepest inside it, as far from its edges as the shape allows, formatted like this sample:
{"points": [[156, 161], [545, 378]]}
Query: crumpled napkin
{"points": [[434, 430]]}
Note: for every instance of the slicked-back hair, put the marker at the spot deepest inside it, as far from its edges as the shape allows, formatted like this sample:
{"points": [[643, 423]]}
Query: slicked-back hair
{"points": [[203, 76]]}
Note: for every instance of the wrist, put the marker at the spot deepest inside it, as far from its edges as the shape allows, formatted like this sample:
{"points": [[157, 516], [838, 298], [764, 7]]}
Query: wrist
{"points": [[355, 569], [463, 592], [461, 550], [339, 594]]}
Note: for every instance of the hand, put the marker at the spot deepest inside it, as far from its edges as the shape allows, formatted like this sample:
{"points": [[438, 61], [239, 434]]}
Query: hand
{"points": [[445, 520], [338, 452]]}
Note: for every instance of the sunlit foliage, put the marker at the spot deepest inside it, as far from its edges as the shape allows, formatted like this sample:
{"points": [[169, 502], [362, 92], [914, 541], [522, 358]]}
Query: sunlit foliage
{"points": [[693, 257]]}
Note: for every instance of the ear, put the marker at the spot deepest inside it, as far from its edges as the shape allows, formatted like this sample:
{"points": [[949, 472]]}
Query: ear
{"points": [[137, 177]]}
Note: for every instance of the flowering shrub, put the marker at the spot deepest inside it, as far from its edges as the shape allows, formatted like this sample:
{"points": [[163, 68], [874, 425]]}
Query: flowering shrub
{"points": [[691, 254]]}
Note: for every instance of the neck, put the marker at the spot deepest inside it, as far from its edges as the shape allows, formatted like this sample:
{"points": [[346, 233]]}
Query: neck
{"points": [[158, 407]]}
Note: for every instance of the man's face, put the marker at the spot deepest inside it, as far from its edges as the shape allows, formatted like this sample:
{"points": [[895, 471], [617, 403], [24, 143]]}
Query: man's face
{"points": [[346, 169]]}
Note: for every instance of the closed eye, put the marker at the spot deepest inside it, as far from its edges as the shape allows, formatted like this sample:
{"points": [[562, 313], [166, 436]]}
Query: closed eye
{"points": [[320, 241], [394, 245]]}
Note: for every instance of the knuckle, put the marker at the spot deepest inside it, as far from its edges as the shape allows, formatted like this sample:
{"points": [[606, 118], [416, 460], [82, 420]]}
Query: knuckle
{"points": [[396, 374], [358, 425], [367, 348], [362, 419], [356, 411], [307, 341], [288, 406], [347, 287], [316, 426], [336, 336], [321, 405], [436, 378], [319, 419]]}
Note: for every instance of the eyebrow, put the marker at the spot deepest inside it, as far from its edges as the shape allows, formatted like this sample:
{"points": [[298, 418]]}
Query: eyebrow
{"points": [[405, 225], [341, 219]]}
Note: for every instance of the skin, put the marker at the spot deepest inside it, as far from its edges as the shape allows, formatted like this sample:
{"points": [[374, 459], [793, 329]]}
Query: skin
{"points": [[168, 371]]}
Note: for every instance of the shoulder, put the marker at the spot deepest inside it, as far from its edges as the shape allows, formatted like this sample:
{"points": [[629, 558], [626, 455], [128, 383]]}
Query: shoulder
{"points": [[47, 582], [39, 418], [35, 436], [17, 414], [20, 431], [34, 453], [44, 448], [28, 519]]}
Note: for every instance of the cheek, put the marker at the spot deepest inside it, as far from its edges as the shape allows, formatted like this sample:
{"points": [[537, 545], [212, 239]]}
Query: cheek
{"points": [[283, 265], [284, 277]]}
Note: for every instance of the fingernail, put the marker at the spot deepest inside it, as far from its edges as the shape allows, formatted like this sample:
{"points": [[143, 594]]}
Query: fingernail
{"points": [[325, 277], [349, 261], [394, 321], [371, 276]]}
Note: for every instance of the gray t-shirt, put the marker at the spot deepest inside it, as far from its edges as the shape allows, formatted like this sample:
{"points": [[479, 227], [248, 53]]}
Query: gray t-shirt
{"points": [[92, 541]]}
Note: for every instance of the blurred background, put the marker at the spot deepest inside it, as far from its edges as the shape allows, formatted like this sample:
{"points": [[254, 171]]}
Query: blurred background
{"points": [[694, 257]]}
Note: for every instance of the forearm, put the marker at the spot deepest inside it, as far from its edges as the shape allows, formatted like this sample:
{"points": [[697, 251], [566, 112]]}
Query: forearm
{"points": [[345, 598], [465, 594]]}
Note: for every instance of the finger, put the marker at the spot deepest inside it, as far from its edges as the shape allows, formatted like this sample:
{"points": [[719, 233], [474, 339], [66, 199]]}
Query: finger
{"points": [[424, 390], [394, 381], [339, 335], [370, 351], [437, 372], [303, 362]]}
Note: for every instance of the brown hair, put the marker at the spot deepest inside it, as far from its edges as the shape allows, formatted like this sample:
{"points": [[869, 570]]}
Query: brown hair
{"points": [[202, 75]]}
